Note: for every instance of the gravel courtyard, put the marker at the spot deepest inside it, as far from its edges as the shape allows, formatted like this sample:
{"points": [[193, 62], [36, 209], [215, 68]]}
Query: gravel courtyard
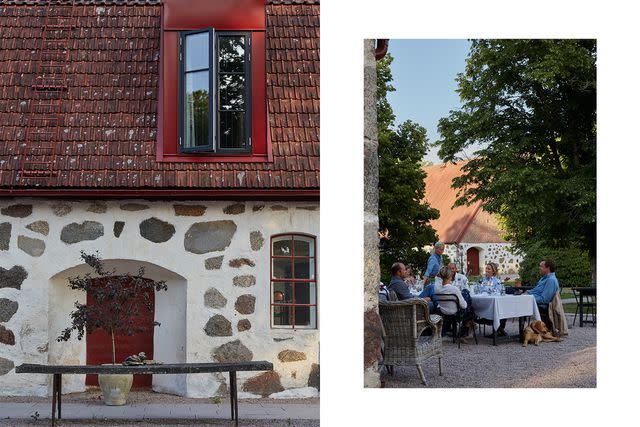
{"points": [[570, 363]]}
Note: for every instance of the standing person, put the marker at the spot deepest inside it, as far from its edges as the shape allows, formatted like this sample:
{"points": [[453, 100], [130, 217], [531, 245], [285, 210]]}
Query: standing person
{"points": [[458, 280], [434, 263], [548, 284], [398, 285]]}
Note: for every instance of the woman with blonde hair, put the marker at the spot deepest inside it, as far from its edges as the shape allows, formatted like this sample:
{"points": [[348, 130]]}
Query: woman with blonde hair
{"points": [[492, 282]]}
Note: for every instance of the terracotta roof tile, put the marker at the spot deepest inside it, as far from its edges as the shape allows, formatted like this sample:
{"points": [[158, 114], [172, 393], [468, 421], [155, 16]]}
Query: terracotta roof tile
{"points": [[108, 100], [463, 223]]}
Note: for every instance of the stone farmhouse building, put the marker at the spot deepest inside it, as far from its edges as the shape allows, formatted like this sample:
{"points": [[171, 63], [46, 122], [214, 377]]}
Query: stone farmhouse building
{"points": [[473, 236], [177, 135]]}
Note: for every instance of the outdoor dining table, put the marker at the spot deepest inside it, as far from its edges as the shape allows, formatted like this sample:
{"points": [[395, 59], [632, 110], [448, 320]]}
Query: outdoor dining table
{"points": [[582, 293], [497, 307]]}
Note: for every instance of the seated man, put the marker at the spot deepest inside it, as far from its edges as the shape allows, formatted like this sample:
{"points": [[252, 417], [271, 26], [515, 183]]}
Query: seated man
{"points": [[458, 280], [398, 285], [548, 285]]}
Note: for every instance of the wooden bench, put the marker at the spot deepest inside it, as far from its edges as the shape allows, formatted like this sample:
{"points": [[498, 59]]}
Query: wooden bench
{"points": [[182, 368]]}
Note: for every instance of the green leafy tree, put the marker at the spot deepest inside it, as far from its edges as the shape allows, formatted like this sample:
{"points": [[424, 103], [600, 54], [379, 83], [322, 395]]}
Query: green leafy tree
{"points": [[403, 215], [531, 106]]}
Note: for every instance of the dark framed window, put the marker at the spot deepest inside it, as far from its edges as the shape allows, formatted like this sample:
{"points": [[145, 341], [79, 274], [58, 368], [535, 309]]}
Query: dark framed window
{"points": [[215, 91], [293, 282]]}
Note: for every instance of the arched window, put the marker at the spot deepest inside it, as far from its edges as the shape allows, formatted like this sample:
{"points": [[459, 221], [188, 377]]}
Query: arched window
{"points": [[293, 281]]}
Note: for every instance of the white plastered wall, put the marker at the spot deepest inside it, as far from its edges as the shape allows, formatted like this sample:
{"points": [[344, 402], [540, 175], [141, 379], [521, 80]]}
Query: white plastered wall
{"points": [[45, 302]]}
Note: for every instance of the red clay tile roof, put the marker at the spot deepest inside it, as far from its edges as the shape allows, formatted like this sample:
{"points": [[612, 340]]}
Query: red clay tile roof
{"points": [[469, 224], [106, 137]]}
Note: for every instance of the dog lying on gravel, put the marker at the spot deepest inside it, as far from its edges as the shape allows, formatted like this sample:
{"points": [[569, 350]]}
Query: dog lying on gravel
{"points": [[536, 332]]}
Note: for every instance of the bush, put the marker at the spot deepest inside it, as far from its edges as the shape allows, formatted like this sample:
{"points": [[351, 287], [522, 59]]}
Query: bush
{"points": [[572, 266]]}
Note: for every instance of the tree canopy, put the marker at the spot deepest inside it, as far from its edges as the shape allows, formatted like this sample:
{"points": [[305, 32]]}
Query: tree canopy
{"points": [[531, 106], [403, 216]]}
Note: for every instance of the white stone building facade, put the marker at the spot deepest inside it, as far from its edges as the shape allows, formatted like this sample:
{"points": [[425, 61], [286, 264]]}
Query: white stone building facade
{"points": [[215, 257]]}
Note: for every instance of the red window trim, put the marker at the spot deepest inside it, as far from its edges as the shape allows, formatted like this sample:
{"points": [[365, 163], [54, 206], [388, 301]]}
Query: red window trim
{"points": [[293, 305], [167, 146]]}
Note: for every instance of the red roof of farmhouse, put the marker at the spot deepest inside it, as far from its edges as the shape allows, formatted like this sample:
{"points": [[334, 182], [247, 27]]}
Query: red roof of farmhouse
{"points": [[468, 224], [109, 130]]}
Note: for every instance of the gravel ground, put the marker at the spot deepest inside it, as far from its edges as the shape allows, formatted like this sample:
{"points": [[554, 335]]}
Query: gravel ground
{"points": [[163, 423], [570, 363]]}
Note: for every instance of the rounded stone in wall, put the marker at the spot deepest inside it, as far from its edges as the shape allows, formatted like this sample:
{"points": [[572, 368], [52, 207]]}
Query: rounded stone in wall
{"points": [[41, 227], [210, 236], [189, 210], [233, 351], [256, 240], [17, 211], [75, 232], [263, 384], [156, 230], [61, 209], [213, 263], [133, 207], [244, 325], [235, 209], [6, 366], [246, 304], [291, 356], [218, 326], [97, 206], [13, 277], [6, 336], [118, 226], [5, 236], [34, 247], [239, 262], [7, 309], [244, 281], [314, 376], [213, 298]]}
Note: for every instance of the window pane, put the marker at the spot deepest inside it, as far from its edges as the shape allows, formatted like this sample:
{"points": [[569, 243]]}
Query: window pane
{"points": [[231, 53], [304, 268], [303, 246], [231, 88], [196, 120], [305, 293], [197, 51], [305, 316], [282, 246], [231, 130], [281, 315], [282, 292], [281, 268]]}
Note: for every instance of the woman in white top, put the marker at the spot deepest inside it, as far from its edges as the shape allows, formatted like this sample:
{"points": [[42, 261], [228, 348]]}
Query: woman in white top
{"points": [[491, 281], [450, 307]]}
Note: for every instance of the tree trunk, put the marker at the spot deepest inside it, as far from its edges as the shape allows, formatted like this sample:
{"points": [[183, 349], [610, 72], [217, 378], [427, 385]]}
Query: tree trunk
{"points": [[113, 347]]}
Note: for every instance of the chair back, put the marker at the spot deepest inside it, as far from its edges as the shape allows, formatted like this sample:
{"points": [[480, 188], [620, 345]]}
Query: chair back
{"points": [[402, 320]]}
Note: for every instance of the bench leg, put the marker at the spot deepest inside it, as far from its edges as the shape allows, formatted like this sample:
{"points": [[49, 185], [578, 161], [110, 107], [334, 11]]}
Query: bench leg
{"points": [[233, 392], [59, 396], [54, 389]]}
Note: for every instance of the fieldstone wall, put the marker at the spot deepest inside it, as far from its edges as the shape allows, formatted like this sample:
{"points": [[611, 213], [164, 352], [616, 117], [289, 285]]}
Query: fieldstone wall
{"points": [[220, 252], [500, 253], [372, 329]]}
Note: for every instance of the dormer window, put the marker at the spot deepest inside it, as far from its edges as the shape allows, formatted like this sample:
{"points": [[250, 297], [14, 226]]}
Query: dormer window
{"points": [[215, 88]]}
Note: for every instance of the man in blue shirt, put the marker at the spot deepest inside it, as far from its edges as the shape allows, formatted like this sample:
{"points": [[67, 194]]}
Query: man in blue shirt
{"points": [[398, 285], [548, 285], [434, 263]]}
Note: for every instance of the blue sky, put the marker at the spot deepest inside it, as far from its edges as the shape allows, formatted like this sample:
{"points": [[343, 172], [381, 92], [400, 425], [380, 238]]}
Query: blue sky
{"points": [[424, 74]]}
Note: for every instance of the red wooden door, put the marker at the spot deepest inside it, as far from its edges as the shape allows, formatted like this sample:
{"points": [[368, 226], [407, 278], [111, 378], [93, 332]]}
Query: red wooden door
{"points": [[473, 262], [99, 344]]}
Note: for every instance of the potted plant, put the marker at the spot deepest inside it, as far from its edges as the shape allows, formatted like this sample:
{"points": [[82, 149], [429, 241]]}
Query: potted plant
{"points": [[118, 300]]}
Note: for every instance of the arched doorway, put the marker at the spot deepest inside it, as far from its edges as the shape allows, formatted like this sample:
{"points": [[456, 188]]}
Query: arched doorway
{"points": [[473, 262], [99, 342]]}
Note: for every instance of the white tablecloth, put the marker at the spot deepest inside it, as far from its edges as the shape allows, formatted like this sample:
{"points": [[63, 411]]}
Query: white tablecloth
{"points": [[498, 307]]}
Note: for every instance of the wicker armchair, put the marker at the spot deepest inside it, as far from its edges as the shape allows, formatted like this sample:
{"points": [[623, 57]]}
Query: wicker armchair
{"points": [[402, 325]]}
